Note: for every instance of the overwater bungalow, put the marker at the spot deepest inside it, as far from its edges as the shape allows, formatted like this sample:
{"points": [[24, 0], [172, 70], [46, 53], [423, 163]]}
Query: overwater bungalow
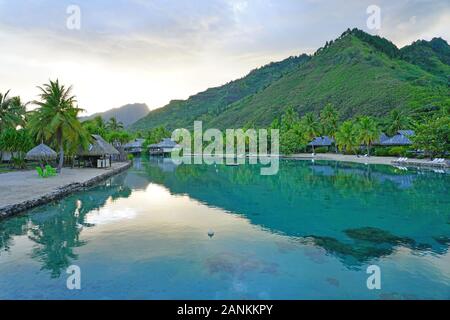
{"points": [[165, 147], [135, 146], [99, 153]]}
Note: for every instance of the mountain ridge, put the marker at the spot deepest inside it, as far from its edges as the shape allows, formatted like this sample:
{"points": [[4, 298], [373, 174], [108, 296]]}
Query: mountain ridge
{"points": [[358, 73], [127, 114]]}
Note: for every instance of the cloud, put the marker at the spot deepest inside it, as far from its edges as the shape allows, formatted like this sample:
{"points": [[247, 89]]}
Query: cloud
{"points": [[156, 50]]}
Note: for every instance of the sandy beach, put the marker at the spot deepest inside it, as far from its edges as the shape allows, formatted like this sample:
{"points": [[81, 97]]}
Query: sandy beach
{"points": [[21, 187], [363, 160]]}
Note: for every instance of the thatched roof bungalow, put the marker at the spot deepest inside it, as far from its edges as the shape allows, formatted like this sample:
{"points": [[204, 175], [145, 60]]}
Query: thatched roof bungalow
{"points": [[99, 153], [402, 138], [41, 153], [135, 146], [321, 142], [166, 146]]}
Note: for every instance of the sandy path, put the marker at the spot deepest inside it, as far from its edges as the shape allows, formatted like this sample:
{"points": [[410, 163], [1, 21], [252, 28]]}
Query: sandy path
{"points": [[19, 186]]}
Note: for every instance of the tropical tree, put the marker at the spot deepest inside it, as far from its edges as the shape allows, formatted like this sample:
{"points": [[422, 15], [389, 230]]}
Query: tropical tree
{"points": [[397, 121], [346, 137], [433, 136], [114, 125], [56, 116], [292, 138], [118, 139], [329, 121], [155, 135], [310, 126], [367, 132], [12, 111], [95, 126], [17, 142]]}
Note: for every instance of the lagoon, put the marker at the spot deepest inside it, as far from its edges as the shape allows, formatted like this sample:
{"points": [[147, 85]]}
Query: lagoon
{"points": [[309, 232]]}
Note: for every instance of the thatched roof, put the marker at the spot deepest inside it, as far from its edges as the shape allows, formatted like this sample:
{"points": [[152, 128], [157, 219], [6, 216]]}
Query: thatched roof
{"points": [[165, 144], [41, 152], [136, 143], [402, 138], [98, 147], [321, 142]]}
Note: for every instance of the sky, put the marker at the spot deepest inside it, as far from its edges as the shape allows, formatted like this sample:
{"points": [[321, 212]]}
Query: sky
{"points": [[154, 51]]}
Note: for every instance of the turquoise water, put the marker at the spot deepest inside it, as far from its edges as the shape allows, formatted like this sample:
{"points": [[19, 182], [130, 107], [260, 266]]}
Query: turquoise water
{"points": [[309, 232]]}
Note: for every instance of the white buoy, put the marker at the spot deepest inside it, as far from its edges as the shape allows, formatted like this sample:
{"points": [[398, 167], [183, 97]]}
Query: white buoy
{"points": [[210, 233]]}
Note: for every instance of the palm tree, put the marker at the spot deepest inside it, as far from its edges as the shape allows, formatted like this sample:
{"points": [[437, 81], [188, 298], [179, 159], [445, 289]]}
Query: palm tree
{"points": [[12, 111], [119, 139], [311, 127], [367, 132], [57, 116], [114, 125], [346, 137], [397, 121], [329, 118]]}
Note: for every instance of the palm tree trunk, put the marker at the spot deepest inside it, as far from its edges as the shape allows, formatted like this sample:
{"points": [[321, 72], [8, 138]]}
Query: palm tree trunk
{"points": [[61, 151]]}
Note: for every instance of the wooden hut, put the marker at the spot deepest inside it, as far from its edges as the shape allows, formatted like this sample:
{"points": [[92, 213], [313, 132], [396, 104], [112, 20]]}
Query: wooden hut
{"points": [[321, 142], [98, 154], [165, 147], [134, 147]]}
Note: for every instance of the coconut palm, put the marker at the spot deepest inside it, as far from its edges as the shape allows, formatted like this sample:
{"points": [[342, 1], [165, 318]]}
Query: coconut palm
{"points": [[56, 116], [329, 118], [12, 111], [397, 121], [114, 125], [311, 127], [368, 132], [346, 139]]}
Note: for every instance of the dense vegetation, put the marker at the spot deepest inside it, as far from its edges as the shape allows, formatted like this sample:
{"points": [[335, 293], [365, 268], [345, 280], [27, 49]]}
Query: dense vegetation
{"points": [[54, 122], [359, 134], [358, 73]]}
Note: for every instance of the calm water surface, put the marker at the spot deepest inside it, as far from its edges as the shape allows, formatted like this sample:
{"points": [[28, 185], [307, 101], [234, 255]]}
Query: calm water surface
{"points": [[309, 232]]}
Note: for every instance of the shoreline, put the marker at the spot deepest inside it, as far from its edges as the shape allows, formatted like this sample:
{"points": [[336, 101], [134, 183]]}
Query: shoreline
{"points": [[71, 180], [392, 161]]}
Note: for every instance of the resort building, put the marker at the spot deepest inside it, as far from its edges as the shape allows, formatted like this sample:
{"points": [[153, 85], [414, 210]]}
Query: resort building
{"points": [[135, 146], [165, 147], [402, 138], [321, 142], [99, 154]]}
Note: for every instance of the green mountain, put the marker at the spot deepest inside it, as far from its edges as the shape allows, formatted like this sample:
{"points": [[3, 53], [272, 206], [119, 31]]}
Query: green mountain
{"points": [[127, 114], [433, 56], [212, 102], [358, 73]]}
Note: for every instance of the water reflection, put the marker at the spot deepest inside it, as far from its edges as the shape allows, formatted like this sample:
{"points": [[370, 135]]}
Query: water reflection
{"points": [[356, 212], [55, 229], [352, 212]]}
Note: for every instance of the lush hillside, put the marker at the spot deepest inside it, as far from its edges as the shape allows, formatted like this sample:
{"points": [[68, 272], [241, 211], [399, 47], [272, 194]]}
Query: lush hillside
{"points": [[358, 73], [212, 102], [127, 114], [350, 73], [433, 56]]}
